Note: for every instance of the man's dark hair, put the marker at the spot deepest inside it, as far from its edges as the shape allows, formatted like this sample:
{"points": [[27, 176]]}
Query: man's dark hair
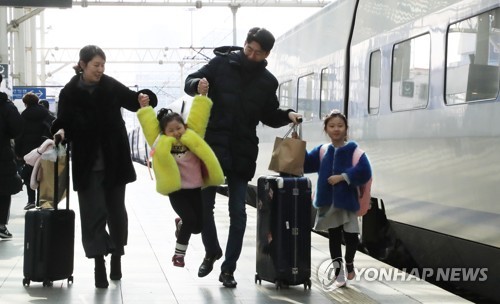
{"points": [[44, 103], [30, 99], [262, 37]]}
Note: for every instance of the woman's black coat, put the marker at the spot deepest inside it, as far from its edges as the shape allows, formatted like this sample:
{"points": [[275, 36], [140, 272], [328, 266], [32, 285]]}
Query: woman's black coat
{"points": [[93, 121]]}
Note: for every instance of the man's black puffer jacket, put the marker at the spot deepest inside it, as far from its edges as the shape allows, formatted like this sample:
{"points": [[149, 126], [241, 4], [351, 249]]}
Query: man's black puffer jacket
{"points": [[243, 94]]}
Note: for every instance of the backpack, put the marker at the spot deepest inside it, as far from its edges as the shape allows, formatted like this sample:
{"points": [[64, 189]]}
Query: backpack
{"points": [[364, 191]]}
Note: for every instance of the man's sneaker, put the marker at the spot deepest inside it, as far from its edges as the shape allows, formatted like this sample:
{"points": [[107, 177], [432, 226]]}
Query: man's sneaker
{"points": [[227, 280], [4, 233], [178, 260], [29, 206], [178, 225]]}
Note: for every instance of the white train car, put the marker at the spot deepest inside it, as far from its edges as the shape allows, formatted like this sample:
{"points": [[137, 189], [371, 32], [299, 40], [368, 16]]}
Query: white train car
{"points": [[419, 83]]}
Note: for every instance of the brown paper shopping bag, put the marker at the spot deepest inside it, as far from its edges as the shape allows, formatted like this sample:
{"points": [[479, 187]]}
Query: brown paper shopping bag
{"points": [[47, 181], [288, 155]]}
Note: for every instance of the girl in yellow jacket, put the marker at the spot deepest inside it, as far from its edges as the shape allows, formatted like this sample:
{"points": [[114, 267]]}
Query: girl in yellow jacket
{"points": [[183, 163]]}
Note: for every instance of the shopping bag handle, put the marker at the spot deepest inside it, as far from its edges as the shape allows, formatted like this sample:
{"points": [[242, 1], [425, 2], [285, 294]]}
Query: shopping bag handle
{"points": [[293, 128]]}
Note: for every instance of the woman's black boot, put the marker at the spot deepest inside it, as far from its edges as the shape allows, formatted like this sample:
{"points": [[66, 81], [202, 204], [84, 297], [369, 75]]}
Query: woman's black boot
{"points": [[100, 276], [116, 267]]}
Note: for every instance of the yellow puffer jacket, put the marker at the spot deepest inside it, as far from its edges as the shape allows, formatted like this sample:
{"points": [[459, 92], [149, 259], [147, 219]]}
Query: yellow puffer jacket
{"points": [[168, 178]]}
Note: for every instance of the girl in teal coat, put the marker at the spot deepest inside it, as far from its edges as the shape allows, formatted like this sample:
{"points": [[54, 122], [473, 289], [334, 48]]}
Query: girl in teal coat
{"points": [[183, 163]]}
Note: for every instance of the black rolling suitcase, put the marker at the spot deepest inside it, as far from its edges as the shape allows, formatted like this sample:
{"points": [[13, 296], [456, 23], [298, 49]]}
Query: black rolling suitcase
{"points": [[49, 237], [284, 231]]}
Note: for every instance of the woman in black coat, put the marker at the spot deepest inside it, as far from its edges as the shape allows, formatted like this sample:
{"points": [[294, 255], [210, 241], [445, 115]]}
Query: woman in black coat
{"points": [[89, 117], [36, 130], [11, 125]]}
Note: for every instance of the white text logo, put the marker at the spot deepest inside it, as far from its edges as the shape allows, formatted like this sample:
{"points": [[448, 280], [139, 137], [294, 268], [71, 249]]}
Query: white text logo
{"points": [[326, 274]]}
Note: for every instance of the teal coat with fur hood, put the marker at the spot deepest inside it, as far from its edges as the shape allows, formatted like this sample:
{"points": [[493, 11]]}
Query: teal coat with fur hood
{"points": [[168, 178]]}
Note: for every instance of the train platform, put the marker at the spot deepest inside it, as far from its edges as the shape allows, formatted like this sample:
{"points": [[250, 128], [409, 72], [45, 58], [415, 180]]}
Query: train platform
{"points": [[150, 277]]}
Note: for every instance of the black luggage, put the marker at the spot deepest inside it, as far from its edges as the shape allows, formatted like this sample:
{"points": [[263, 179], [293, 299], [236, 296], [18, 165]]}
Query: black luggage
{"points": [[284, 231], [49, 237]]}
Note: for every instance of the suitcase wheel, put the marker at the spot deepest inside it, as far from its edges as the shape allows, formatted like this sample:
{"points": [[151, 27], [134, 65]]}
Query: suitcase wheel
{"points": [[26, 282], [307, 284], [278, 284], [47, 284], [70, 280], [257, 278]]}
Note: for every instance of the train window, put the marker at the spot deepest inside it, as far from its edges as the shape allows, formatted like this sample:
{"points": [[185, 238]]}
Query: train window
{"points": [[473, 59], [285, 95], [306, 105], [410, 74], [326, 91], [374, 89]]}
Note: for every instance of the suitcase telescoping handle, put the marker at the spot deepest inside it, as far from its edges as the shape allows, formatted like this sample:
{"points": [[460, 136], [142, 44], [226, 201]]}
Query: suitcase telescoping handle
{"points": [[56, 175]]}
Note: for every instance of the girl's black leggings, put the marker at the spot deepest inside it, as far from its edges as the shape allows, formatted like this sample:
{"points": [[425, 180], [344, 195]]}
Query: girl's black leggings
{"points": [[187, 204], [335, 240]]}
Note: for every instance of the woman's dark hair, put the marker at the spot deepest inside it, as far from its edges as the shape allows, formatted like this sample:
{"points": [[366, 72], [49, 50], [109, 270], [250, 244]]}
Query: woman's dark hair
{"points": [[165, 116], [88, 53], [332, 114], [261, 36]]}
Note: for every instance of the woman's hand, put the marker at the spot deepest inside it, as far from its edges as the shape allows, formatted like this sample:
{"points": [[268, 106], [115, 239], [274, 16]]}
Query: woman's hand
{"points": [[59, 136], [143, 100]]}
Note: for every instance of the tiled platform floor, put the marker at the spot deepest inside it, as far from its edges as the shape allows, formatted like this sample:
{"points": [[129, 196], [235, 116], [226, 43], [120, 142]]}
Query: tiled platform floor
{"points": [[149, 276]]}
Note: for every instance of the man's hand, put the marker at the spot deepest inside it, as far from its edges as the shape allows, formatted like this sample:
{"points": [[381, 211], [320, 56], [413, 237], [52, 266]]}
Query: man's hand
{"points": [[295, 117], [203, 86]]}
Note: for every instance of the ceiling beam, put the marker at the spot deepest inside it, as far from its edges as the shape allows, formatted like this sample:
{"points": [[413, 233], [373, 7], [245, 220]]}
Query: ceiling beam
{"points": [[209, 3]]}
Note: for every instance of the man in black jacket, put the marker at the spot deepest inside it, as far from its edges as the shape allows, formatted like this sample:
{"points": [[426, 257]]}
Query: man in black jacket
{"points": [[243, 92]]}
